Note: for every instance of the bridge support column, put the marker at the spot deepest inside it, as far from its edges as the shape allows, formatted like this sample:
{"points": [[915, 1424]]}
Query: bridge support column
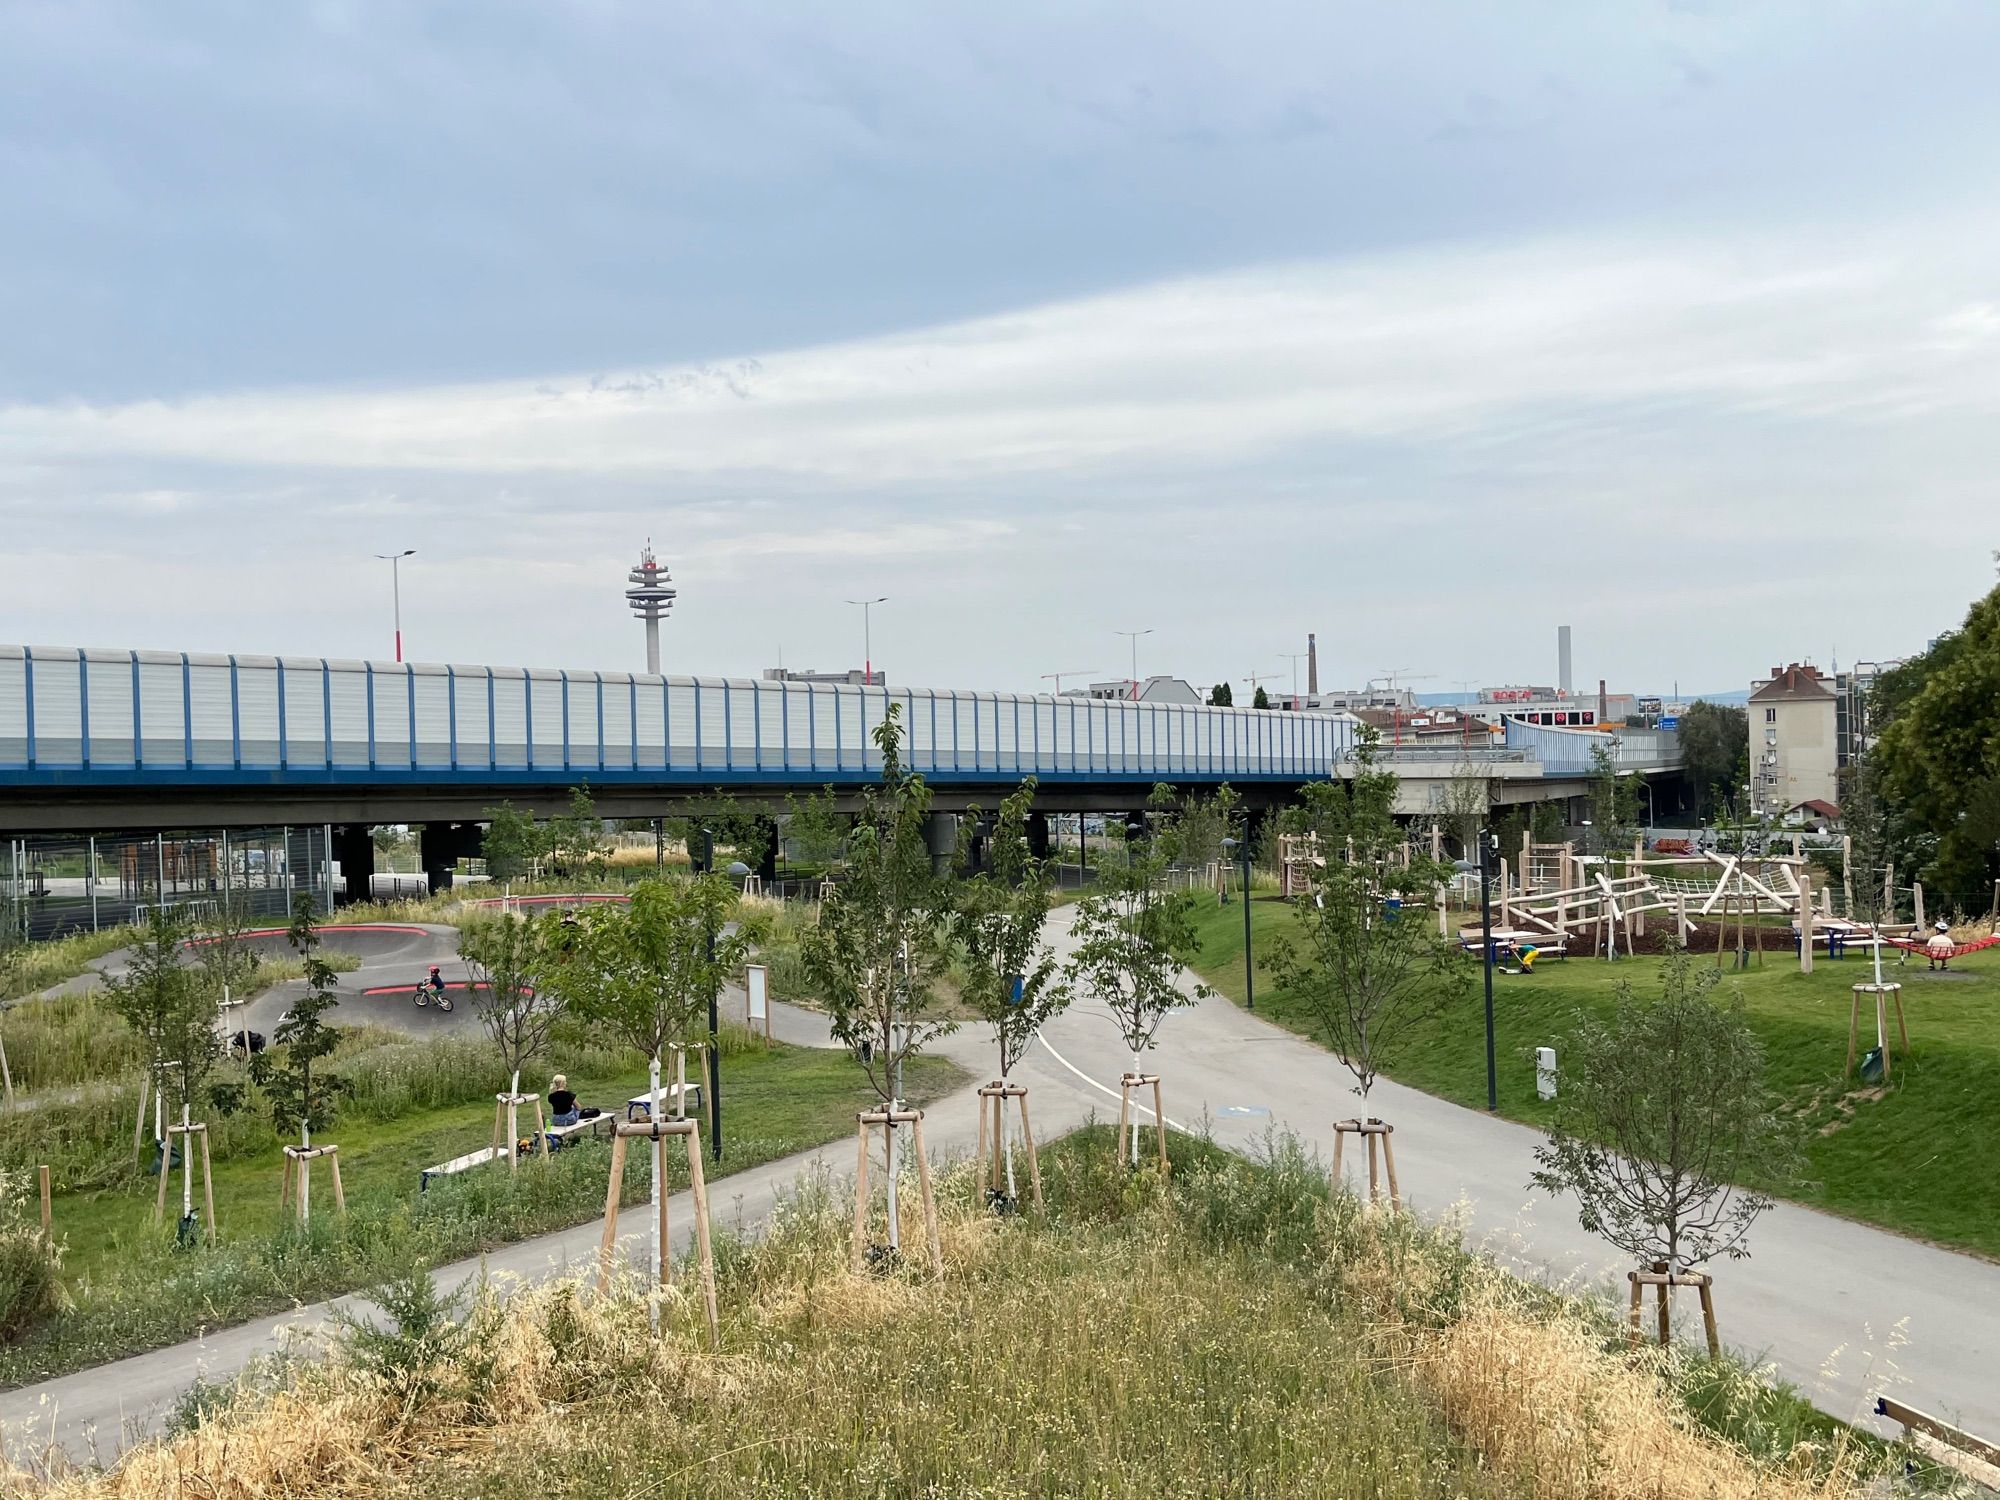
{"points": [[767, 858], [354, 852], [442, 845], [942, 836], [1038, 835]]}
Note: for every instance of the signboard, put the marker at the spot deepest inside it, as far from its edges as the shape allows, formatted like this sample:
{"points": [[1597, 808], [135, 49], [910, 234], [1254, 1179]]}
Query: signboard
{"points": [[1670, 721], [757, 996]]}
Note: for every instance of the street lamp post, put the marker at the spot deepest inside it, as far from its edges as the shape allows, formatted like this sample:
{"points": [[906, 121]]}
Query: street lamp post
{"points": [[867, 641], [395, 562], [714, 1020], [1133, 637], [1489, 841], [1249, 965]]}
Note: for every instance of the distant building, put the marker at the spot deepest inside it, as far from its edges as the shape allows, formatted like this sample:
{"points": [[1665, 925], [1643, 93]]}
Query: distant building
{"points": [[1427, 726], [1854, 731], [1340, 700], [852, 677], [1151, 690], [1794, 741]]}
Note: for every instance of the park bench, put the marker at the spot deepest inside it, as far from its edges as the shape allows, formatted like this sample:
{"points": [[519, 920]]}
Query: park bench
{"points": [[1954, 1447], [641, 1105], [597, 1125], [463, 1163]]}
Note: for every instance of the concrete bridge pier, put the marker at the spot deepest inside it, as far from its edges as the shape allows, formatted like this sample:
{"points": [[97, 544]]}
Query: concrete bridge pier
{"points": [[441, 845], [354, 852], [941, 834], [1038, 835]]}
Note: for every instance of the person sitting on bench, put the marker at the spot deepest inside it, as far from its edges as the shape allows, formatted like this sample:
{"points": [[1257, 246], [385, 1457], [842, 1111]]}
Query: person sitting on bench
{"points": [[562, 1102]]}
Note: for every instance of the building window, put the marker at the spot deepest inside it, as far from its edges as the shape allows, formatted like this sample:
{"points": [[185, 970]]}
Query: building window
{"points": [[1770, 716]]}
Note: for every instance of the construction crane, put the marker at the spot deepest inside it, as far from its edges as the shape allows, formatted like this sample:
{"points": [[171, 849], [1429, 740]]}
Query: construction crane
{"points": [[1059, 676], [1256, 677]]}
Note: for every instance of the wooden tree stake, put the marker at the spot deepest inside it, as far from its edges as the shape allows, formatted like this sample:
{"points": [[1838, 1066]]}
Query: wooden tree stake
{"points": [[1370, 1130], [1128, 1119], [990, 1170], [652, 1130], [884, 1120], [1663, 1284], [47, 1216]]}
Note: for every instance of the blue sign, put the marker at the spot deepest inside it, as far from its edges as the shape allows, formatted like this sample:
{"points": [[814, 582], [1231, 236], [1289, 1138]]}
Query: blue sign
{"points": [[1670, 721], [1015, 986]]}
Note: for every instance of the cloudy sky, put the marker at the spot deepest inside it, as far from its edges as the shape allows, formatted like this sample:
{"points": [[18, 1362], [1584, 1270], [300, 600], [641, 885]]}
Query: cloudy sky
{"points": [[1427, 327]]}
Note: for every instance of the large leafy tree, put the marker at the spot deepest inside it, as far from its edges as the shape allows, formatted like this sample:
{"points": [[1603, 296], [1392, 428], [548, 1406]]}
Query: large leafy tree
{"points": [[1221, 696], [513, 842], [1937, 757], [1715, 752], [1133, 937], [1370, 972], [1662, 1117], [575, 837], [1614, 803], [882, 941]]}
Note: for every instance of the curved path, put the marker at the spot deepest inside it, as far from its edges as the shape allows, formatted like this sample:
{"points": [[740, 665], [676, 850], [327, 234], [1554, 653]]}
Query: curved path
{"points": [[1831, 1302]]}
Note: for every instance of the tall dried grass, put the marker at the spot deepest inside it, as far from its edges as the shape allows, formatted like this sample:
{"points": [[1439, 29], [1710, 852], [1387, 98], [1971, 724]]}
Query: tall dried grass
{"points": [[1222, 1334]]}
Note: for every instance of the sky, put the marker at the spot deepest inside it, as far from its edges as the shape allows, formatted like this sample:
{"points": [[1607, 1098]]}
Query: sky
{"points": [[1426, 328]]}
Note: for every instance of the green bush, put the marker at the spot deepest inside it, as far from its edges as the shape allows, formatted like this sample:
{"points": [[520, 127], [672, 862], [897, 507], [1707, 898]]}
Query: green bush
{"points": [[30, 1267]]}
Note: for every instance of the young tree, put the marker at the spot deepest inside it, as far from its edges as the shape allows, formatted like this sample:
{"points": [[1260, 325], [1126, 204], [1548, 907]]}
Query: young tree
{"points": [[1370, 972], [1614, 803], [576, 842], [644, 974], [1133, 938], [222, 949], [513, 842], [172, 1009], [507, 957], [1661, 1116], [1260, 698], [1011, 978], [1715, 750], [880, 946], [1221, 696], [814, 825], [300, 1094], [1203, 823]]}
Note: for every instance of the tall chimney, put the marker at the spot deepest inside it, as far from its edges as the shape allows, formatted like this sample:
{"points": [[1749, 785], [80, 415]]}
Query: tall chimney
{"points": [[1603, 702], [1562, 659], [1312, 664]]}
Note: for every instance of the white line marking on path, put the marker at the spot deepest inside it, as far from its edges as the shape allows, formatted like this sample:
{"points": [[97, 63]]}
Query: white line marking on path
{"points": [[1108, 1093]]}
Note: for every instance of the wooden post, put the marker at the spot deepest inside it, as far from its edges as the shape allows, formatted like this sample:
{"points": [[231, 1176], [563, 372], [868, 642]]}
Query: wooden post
{"points": [[47, 1216], [924, 1186], [1666, 1313], [1889, 891], [207, 1189], [885, 1119], [7, 1073], [1847, 875], [1632, 1327], [1028, 1135], [139, 1121], [1160, 1126], [860, 1198], [1917, 901], [1389, 1162], [1708, 1317], [655, 1129], [1527, 862], [1371, 1131], [704, 1250], [339, 1192], [1506, 898]]}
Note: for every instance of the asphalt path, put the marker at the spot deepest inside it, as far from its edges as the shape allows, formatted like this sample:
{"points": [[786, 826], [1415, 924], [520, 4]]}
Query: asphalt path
{"points": [[1840, 1309]]}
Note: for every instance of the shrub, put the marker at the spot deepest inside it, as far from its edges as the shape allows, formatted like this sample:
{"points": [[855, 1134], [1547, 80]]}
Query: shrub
{"points": [[30, 1266]]}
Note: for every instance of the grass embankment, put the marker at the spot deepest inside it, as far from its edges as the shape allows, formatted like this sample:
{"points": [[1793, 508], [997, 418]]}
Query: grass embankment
{"points": [[33, 967], [1908, 1157], [413, 1105], [1239, 1330]]}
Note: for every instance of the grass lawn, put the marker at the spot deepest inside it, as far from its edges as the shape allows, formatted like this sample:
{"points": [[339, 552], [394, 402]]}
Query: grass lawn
{"points": [[132, 1290], [1915, 1157]]}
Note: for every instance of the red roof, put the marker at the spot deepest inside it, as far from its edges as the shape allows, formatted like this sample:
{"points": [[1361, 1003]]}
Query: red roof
{"points": [[1818, 808]]}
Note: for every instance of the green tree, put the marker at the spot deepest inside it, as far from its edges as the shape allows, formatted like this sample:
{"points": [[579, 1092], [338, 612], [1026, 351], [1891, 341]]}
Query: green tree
{"points": [[1662, 1116], [1203, 822], [1260, 698], [513, 842], [1012, 980], [507, 957], [172, 1008], [1370, 972], [1132, 940], [644, 975], [1545, 824], [1468, 797], [1614, 803], [1715, 751], [1221, 696], [301, 1095], [815, 827], [1937, 757], [881, 943], [575, 838], [223, 950]]}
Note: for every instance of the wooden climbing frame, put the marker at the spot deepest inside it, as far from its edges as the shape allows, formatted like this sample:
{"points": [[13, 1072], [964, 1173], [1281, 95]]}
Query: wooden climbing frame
{"points": [[1370, 1130], [656, 1130], [991, 1168], [295, 1186], [1663, 1283], [1885, 995], [1130, 1084], [886, 1120]]}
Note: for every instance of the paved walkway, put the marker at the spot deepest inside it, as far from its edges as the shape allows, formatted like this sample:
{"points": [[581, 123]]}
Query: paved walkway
{"points": [[1837, 1306]]}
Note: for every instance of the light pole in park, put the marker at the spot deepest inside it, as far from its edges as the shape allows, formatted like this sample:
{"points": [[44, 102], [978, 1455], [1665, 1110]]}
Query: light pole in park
{"points": [[867, 640], [1249, 964], [1133, 637], [1489, 844], [395, 562], [1295, 657]]}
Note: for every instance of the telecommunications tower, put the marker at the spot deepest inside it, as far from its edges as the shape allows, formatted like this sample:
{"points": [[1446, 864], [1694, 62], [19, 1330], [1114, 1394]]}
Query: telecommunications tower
{"points": [[651, 596]]}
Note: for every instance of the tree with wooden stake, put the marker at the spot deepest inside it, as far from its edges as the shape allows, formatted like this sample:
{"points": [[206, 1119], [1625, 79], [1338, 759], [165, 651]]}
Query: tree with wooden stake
{"points": [[222, 948], [302, 1095], [1370, 971], [1661, 1114], [1133, 939], [644, 975], [172, 1009], [875, 958], [1012, 981], [507, 956]]}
